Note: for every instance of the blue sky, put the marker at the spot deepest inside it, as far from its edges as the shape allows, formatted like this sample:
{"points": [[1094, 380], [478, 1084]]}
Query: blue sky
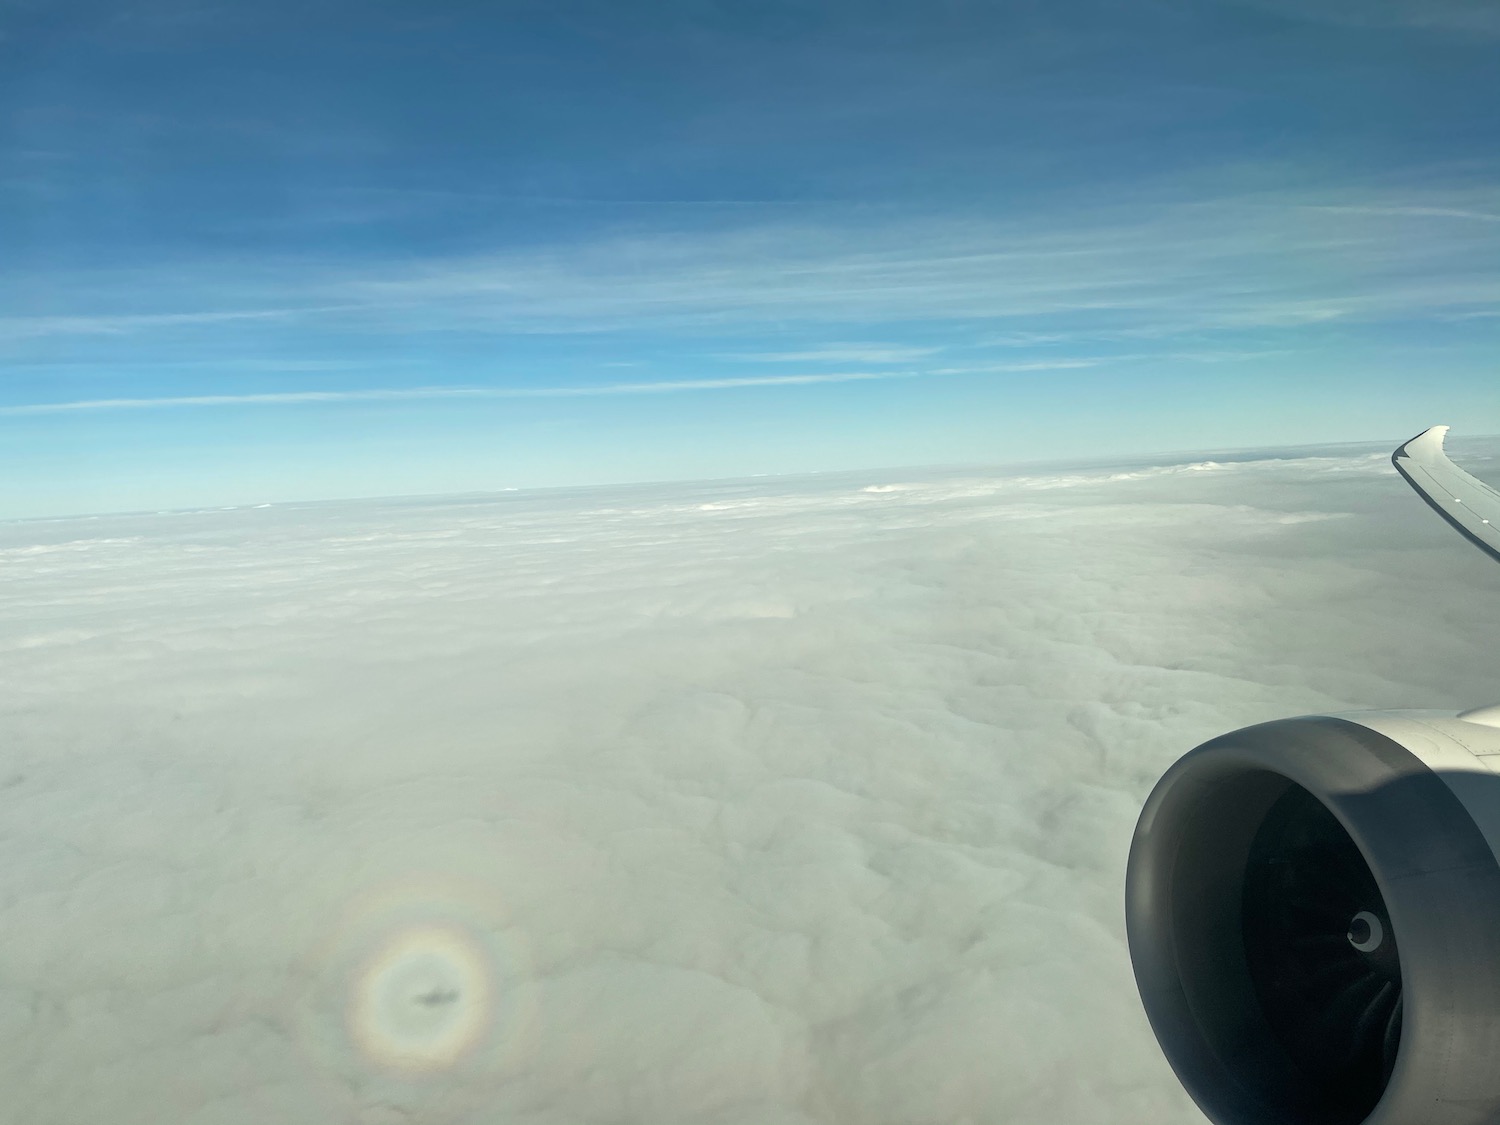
{"points": [[261, 252]]}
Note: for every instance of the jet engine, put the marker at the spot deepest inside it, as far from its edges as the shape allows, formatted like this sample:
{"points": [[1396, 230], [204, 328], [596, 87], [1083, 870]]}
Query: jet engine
{"points": [[1313, 910]]}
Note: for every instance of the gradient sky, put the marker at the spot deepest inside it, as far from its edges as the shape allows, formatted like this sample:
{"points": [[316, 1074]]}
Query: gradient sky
{"points": [[277, 251]]}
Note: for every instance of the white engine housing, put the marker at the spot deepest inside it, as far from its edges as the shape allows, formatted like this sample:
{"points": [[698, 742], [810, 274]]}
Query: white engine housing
{"points": [[1230, 932]]}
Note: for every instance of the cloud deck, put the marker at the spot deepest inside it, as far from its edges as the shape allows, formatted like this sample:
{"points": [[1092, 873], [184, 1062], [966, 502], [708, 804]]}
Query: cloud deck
{"points": [[768, 801]]}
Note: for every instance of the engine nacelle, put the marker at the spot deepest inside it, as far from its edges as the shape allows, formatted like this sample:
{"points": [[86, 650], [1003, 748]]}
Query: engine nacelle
{"points": [[1313, 907]]}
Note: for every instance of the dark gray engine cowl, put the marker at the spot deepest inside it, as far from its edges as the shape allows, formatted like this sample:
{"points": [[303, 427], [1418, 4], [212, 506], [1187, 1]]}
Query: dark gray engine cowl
{"points": [[1313, 909]]}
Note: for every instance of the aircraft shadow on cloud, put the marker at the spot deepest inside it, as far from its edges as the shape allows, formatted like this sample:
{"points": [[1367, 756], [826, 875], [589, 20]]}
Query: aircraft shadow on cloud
{"points": [[1313, 904]]}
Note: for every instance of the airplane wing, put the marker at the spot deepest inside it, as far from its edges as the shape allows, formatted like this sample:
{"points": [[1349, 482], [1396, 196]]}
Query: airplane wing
{"points": [[1470, 505]]}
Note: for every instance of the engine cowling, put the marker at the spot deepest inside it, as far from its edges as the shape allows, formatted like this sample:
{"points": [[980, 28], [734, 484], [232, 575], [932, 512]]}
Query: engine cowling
{"points": [[1313, 910]]}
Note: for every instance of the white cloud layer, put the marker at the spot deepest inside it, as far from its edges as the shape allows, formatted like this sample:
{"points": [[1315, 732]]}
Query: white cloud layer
{"points": [[741, 802]]}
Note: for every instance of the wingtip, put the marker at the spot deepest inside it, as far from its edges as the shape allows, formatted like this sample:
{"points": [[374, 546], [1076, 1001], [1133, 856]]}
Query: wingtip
{"points": [[1428, 441], [1467, 504]]}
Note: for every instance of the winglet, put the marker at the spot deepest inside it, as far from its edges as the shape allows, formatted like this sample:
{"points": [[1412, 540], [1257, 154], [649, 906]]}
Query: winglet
{"points": [[1471, 507], [1426, 445]]}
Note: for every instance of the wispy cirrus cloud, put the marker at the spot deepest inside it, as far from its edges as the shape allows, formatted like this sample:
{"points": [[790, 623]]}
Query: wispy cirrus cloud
{"points": [[1397, 211], [1204, 264], [673, 386], [845, 353], [23, 327], [1473, 16], [399, 394], [1269, 261]]}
